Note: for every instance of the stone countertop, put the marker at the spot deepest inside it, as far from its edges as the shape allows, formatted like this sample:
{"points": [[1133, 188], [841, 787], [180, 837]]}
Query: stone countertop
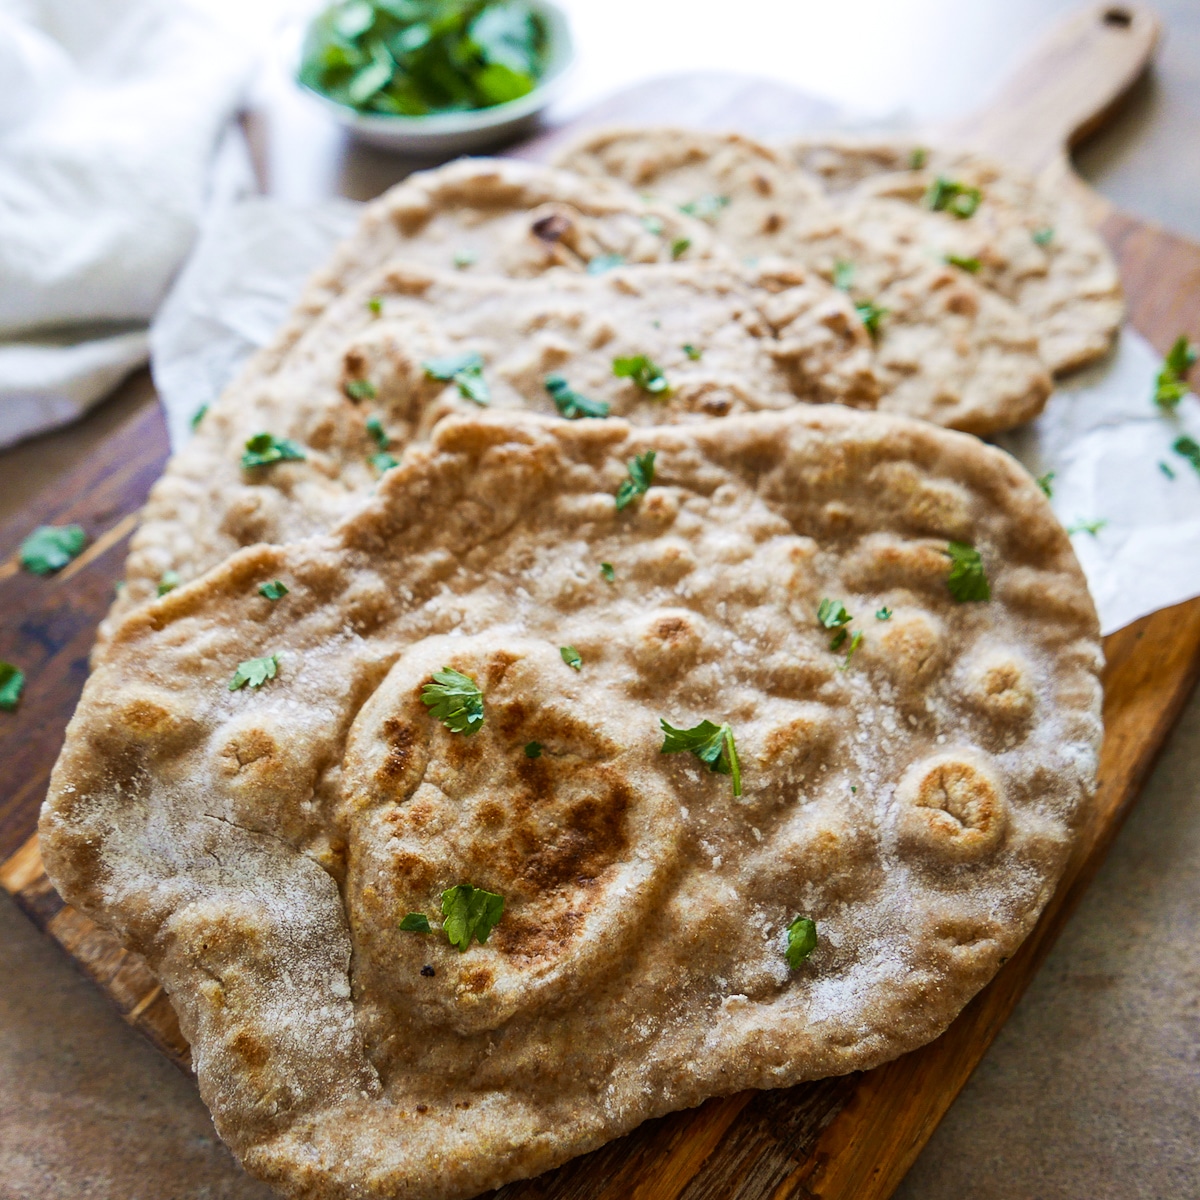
{"points": [[1092, 1088]]}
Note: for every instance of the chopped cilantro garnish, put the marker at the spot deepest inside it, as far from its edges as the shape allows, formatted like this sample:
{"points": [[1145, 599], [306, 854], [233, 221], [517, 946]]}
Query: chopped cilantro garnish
{"points": [[883, 614], [711, 744], [693, 352], [801, 941], [607, 573], [843, 274], [948, 195], [465, 258], [643, 371], [1165, 468], [870, 314], [12, 684], [706, 207], [832, 614], [255, 672], [1170, 386], [680, 246], [918, 158], [641, 476], [464, 370], [375, 305], [604, 262], [533, 749], [1089, 527], [383, 461], [1189, 448], [198, 416], [361, 389], [967, 579], [265, 448], [168, 582], [571, 657], [855, 642], [415, 923], [454, 699], [470, 912], [276, 589], [1043, 237], [50, 547], [1046, 483], [572, 404], [652, 224], [377, 433], [970, 265]]}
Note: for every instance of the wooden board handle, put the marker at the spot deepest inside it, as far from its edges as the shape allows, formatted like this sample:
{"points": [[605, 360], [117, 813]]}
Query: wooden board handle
{"points": [[1066, 88]]}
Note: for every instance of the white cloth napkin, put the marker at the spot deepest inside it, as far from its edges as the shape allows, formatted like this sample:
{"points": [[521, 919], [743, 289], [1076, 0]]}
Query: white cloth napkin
{"points": [[1101, 434], [111, 112]]}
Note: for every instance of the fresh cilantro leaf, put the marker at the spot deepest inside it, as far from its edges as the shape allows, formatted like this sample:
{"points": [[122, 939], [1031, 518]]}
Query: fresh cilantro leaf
{"points": [[711, 744], [604, 262], [641, 476], [607, 573], [643, 371], [706, 208], [464, 370], [693, 352], [265, 448], [855, 642], [470, 912], [680, 246], [361, 389], [375, 305], [415, 923], [948, 195], [832, 614], [971, 265], [843, 274], [1091, 527], [883, 614], [1043, 237], [918, 158], [168, 582], [533, 749], [255, 672], [454, 699], [12, 684], [1189, 448], [870, 314], [274, 590], [838, 640], [1046, 483], [50, 547], [377, 432], [801, 941], [652, 224], [967, 579], [571, 657], [383, 461], [571, 404], [1165, 468], [198, 416], [1170, 385], [465, 258]]}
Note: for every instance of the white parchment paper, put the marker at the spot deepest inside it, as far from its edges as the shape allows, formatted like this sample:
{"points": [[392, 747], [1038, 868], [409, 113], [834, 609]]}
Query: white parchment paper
{"points": [[1134, 501]]}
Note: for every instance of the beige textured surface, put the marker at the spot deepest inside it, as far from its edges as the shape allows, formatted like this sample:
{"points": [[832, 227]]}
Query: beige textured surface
{"points": [[247, 841]]}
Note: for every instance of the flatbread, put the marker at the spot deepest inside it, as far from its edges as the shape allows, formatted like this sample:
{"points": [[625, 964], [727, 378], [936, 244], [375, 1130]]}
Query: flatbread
{"points": [[948, 350], [1033, 244], [770, 341], [260, 847]]}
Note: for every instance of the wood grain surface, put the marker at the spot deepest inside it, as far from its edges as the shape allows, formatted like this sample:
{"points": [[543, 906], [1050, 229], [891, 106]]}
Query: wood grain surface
{"points": [[847, 1138]]}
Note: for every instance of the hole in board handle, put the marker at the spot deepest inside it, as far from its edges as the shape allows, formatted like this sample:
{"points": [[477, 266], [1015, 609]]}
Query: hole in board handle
{"points": [[1121, 18]]}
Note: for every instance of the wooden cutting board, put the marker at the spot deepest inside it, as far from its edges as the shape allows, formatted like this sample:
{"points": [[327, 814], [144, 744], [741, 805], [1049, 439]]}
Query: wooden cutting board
{"points": [[848, 1138]]}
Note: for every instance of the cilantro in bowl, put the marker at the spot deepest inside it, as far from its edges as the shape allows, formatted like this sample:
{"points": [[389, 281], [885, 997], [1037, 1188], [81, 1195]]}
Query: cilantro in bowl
{"points": [[410, 58]]}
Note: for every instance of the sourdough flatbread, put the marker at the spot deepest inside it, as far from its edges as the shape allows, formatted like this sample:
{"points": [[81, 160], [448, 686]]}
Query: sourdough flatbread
{"points": [[948, 350], [766, 343], [260, 847], [1032, 244]]}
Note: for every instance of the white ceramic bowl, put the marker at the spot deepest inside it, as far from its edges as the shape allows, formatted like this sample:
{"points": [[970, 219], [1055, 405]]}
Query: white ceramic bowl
{"points": [[444, 134]]}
